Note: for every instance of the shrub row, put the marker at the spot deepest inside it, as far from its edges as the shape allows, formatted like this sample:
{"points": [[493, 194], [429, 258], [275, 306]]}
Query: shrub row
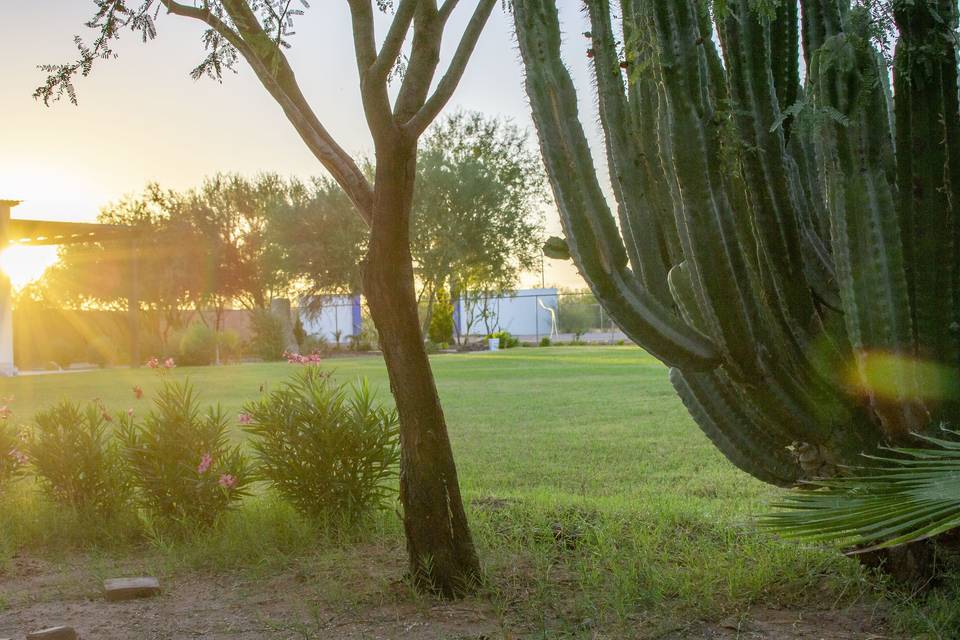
{"points": [[330, 450]]}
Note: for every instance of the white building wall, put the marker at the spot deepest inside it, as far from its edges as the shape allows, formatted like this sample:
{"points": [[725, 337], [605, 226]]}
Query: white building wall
{"points": [[336, 313], [525, 313]]}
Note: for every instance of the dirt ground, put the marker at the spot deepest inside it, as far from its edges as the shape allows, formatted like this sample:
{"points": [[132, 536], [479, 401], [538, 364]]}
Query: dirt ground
{"points": [[35, 594]]}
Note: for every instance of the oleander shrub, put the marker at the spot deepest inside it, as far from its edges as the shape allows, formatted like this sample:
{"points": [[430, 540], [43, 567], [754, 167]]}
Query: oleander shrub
{"points": [[180, 462], [75, 458], [331, 450], [13, 455]]}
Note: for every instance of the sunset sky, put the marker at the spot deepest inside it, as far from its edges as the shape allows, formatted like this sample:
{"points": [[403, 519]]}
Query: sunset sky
{"points": [[141, 118]]}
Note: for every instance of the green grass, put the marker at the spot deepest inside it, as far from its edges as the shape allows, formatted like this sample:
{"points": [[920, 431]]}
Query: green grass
{"points": [[590, 440]]}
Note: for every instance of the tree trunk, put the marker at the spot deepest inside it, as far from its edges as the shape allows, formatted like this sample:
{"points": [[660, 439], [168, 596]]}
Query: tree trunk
{"points": [[441, 552]]}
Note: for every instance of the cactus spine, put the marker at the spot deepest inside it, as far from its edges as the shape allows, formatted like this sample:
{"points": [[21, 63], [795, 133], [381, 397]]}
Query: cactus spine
{"points": [[772, 236]]}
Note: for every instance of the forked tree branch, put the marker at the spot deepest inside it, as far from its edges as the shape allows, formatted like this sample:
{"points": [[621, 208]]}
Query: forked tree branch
{"points": [[393, 42], [448, 83], [373, 89], [424, 58], [274, 72]]}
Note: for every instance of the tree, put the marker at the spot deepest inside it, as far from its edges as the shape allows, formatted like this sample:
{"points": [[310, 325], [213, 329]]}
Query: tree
{"points": [[156, 269], [441, 557], [478, 218], [322, 241], [237, 262], [798, 267]]}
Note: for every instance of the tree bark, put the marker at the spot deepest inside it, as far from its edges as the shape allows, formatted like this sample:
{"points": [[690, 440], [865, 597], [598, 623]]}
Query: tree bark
{"points": [[441, 552]]}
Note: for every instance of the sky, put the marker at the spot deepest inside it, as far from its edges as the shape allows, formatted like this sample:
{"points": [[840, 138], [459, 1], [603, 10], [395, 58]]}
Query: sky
{"points": [[141, 118]]}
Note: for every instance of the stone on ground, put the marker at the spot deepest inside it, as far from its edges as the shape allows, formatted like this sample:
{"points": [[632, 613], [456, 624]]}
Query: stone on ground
{"points": [[117, 589]]}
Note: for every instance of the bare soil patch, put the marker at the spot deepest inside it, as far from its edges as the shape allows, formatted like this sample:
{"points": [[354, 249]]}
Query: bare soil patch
{"points": [[324, 602]]}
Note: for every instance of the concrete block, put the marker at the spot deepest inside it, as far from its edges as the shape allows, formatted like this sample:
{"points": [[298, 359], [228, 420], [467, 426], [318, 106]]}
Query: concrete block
{"points": [[117, 589]]}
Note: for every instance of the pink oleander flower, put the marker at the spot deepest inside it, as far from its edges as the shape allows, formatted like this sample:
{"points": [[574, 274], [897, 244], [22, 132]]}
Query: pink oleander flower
{"points": [[227, 481], [245, 418], [137, 392], [205, 463], [296, 358], [18, 456], [153, 363], [169, 363]]}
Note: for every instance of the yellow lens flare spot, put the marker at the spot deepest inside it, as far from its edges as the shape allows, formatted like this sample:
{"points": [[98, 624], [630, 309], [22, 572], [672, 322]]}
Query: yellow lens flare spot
{"points": [[896, 378], [25, 264]]}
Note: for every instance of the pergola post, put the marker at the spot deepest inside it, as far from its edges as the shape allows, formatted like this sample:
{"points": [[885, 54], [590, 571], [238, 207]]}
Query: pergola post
{"points": [[6, 297]]}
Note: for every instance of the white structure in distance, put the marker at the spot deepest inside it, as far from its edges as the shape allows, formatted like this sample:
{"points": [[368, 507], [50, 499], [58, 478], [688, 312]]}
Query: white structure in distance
{"points": [[527, 313], [338, 316]]}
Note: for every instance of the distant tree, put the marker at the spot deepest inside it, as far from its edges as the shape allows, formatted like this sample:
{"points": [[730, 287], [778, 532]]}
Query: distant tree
{"points": [[157, 267], [442, 558], [321, 241], [232, 215], [478, 208]]}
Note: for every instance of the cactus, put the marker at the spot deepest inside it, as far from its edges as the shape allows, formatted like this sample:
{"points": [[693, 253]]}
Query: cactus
{"points": [[789, 246]]}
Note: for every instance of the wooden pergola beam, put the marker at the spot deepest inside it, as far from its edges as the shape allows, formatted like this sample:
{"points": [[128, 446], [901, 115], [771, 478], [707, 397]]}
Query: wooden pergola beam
{"points": [[35, 233]]}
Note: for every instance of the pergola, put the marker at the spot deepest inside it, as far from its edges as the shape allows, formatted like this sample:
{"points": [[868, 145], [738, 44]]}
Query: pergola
{"points": [[34, 233]]}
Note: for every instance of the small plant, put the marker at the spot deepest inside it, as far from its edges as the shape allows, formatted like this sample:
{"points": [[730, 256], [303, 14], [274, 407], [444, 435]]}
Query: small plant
{"points": [[507, 340], [181, 464], [77, 463], [545, 341], [330, 450]]}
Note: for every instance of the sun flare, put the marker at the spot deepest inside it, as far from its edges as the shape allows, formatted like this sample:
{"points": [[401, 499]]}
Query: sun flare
{"points": [[25, 264]]}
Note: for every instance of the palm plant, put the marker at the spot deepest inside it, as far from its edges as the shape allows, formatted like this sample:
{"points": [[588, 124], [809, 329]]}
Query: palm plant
{"points": [[909, 495]]}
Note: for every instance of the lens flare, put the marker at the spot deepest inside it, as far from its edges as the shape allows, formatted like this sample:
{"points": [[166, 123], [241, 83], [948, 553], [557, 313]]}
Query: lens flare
{"points": [[893, 377], [25, 264]]}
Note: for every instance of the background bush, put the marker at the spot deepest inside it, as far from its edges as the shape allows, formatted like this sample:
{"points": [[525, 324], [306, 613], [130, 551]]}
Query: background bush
{"points": [[269, 342], [231, 345], [441, 322], [330, 450], [198, 346], [76, 461], [180, 462], [578, 316], [104, 351]]}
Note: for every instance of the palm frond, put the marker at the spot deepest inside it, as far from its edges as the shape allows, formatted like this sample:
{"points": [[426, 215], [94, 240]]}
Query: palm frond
{"points": [[907, 496]]}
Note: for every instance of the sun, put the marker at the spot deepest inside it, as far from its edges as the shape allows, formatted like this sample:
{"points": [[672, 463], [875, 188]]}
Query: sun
{"points": [[25, 264]]}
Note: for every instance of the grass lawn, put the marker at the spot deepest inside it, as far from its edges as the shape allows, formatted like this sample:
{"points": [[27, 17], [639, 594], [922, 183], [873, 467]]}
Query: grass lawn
{"points": [[591, 441]]}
